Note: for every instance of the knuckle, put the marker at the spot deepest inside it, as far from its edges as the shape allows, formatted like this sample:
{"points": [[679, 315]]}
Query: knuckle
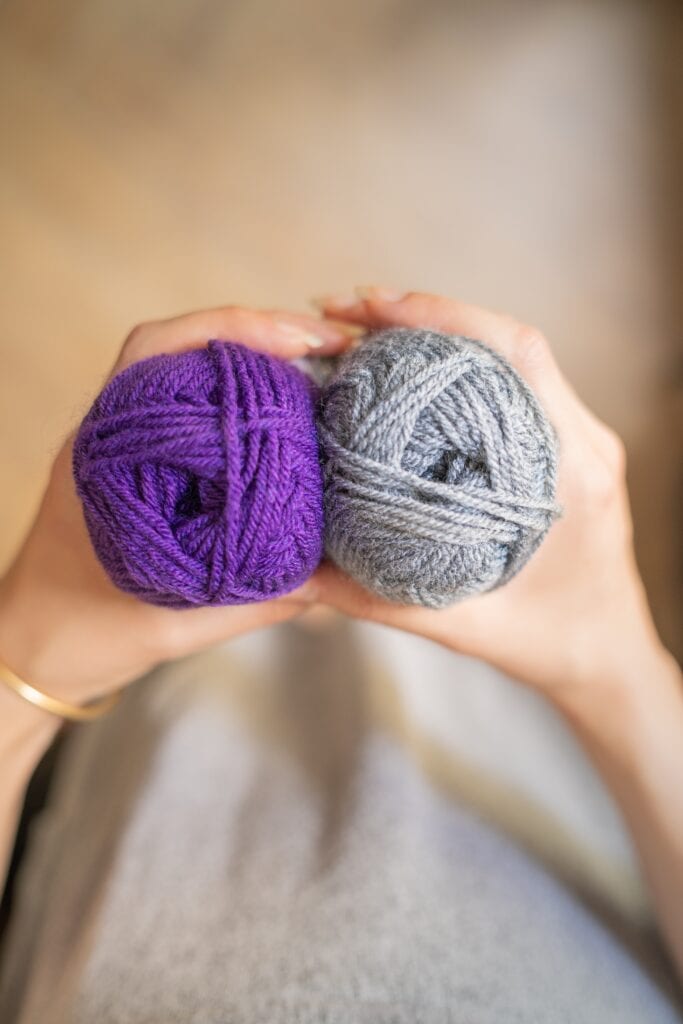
{"points": [[167, 637], [136, 339], [530, 346], [602, 483], [217, 315], [615, 451]]}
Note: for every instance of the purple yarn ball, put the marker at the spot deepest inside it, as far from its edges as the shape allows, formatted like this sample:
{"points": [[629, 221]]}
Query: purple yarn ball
{"points": [[200, 477]]}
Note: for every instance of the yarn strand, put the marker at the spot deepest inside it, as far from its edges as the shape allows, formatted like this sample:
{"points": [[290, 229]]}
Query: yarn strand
{"points": [[200, 478], [440, 467]]}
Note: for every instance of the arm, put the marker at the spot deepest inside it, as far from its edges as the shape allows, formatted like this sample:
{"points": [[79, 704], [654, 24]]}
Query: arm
{"points": [[575, 623], [64, 627], [25, 735], [632, 729]]}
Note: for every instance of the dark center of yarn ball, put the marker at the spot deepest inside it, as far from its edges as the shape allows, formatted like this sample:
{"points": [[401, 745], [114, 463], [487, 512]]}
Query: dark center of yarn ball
{"points": [[440, 467], [200, 477]]}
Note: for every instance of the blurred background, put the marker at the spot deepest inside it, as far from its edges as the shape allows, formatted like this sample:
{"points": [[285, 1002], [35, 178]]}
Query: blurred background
{"points": [[162, 157], [159, 157]]}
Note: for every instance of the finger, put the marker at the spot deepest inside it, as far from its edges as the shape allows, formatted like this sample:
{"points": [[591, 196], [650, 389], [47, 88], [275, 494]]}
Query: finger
{"points": [[382, 307], [385, 307], [277, 332], [193, 629], [450, 626], [524, 347], [337, 590]]}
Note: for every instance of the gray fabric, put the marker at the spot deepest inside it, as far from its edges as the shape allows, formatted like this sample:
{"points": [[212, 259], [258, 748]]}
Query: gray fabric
{"points": [[249, 839], [440, 467]]}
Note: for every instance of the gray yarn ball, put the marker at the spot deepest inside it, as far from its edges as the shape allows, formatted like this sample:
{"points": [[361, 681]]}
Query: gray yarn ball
{"points": [[440, 467]]}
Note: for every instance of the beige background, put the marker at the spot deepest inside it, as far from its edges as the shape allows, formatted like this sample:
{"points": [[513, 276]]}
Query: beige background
{"points": [[159, 157]]}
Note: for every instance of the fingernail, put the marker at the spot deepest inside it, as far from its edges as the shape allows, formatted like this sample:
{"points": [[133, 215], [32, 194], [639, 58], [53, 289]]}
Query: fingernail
{"points": [[383, 294], [300, 335], [321, 302], [349, 330]]}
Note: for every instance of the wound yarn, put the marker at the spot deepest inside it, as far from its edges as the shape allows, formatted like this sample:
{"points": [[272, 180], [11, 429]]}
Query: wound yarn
{"points": [[200, 477], [440, 467]]}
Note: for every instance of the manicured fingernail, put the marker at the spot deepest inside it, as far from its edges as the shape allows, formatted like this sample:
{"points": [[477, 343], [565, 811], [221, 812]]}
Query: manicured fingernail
{"points": [[301, 335], [321, 302], [383, 294]]}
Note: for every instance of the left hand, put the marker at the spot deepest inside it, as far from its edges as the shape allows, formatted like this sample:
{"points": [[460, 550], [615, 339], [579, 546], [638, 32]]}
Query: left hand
{"points": [[576, 618]]}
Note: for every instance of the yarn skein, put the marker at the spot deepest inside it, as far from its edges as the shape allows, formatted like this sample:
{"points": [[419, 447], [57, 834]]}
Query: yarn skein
{"points": [[440, 467], [200, 477]]}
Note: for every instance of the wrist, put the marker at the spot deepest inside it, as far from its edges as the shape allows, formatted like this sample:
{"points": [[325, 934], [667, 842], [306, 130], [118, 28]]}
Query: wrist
{"points": [[24, 727], [24, 635], [613, 653], [68, 646], [30, 649], [26, 731], [636, 697]]}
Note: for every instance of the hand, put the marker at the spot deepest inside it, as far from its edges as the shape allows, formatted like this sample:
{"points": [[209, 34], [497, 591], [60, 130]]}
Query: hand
{"points": [[577, 612], [63, 625]]}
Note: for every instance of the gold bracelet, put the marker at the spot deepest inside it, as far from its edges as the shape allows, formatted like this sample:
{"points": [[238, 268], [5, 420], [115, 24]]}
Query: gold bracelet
{"points": [[73, 712]]}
